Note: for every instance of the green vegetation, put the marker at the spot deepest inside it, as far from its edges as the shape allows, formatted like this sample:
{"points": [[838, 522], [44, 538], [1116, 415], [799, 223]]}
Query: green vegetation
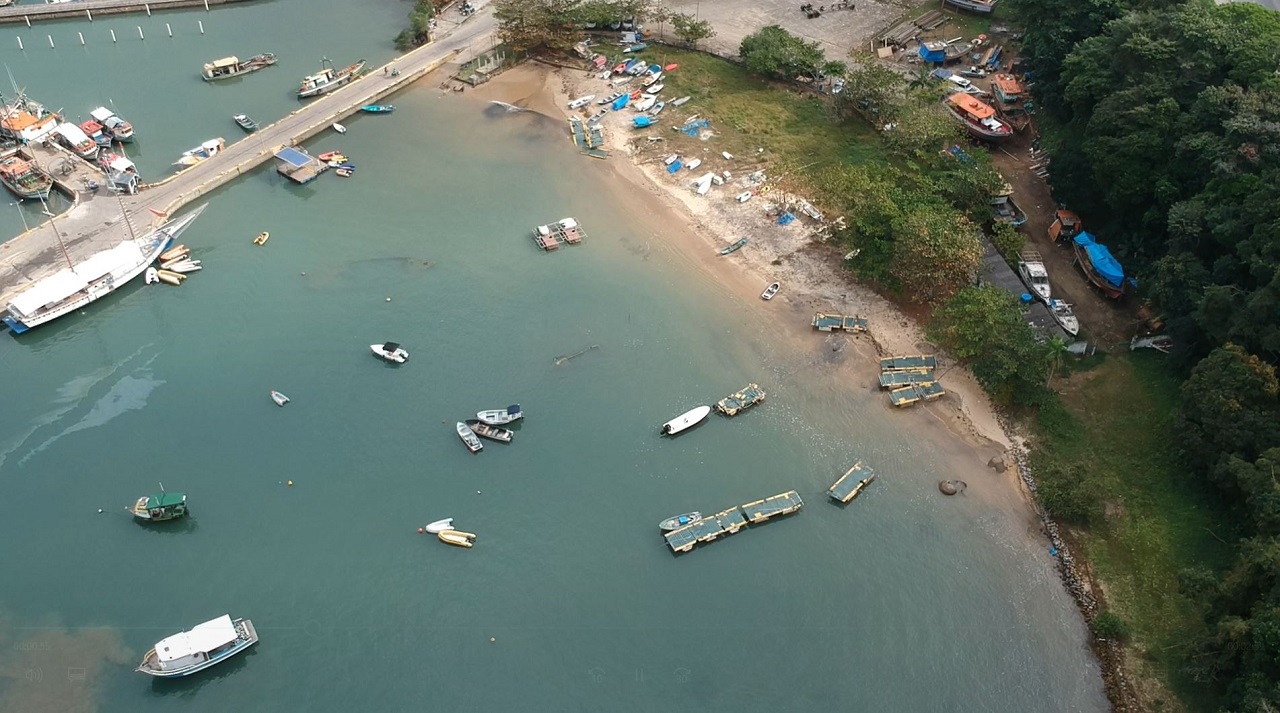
{"points": [[419, 28], [774, 52], [690, 29], [984, 327], [557, 25]]}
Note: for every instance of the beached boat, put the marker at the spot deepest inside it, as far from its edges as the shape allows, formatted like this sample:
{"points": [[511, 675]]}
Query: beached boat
{"points": [[746, 398], [1100, 267], [984, 7], [390, 351], [646, 103], [493, 433], [611, 98], [978, 118], [205, 645], [74, 138], [501, 417], [469, 438], [657, 108], [378, 108], [685, 421], [279, 398], [704, 183], [328, 79], [205, 150], [581, 101], [734, 247], [1006, 211], [679, 521], [24, 179], [246, 122], [229, 67], [770, 291], [1034, 276], [74, 288], [651, 80], [657, 88], [158, 508], [744, 196], [95, 131], [1065, 317], [693, 164], [117, 128], [680, 101], [456, 538]]}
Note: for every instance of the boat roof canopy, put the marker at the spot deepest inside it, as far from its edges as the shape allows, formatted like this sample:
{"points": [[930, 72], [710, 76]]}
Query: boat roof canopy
{"points": [[201, 639], [224, 62], [970, 105], [52, 289], [390, 346], [164, 500], [102, 113]]}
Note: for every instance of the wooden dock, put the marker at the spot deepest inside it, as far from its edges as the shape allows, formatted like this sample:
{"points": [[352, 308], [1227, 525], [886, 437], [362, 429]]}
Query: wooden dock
{"points": [[759, 511], [566, 231], [850, 485], [89, 8], [918, 361], [911, 395], [838, 322], [299, 166], [730, 521], [906, 377]]}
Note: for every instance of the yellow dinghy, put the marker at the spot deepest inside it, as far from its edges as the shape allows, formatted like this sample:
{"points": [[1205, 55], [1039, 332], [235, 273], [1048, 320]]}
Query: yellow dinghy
{"points": [[262, 238], [456, 538], [170, 277], [174, 252]]}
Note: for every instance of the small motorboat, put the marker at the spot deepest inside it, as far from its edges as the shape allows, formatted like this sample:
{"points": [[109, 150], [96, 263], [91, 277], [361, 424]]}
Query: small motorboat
{"points": [[151, 277], [581, 101], [339, 128], [679, 521], [390, 351], [469, 438], [501, 417], [262, 238], [454, 537], [185, 266], [439, 526], [693, 164], [378, 108], [686, 420], [744, 196], [246, 122], [332, 156], [279, 398], [493, 433], [345, 173], [770, 291]]}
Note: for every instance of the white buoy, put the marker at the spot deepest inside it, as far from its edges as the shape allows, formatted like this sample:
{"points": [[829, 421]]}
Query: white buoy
{"points": [[201, 22], [113, 35], [24, 49], [140, 35], [169, 29], [50, 40], [81, 34]]}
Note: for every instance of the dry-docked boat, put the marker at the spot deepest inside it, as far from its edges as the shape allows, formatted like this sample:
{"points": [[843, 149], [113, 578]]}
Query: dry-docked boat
{"points": [[501, 417], [205, 645], [1065, 317], [771, 290], [685, 421], [229, 67], [493, 433], [979, 119], [1034, 275], [1100, 266], [118, 128], [328, 78], [469, 438]]}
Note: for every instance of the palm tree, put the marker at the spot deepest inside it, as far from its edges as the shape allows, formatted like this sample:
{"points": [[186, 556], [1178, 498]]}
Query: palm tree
{"points": [[1055, 357]]}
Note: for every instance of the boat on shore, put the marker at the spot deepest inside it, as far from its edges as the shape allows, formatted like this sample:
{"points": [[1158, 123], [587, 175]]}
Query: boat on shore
{"points": [[685, 421], [982, 7], [117, 128], [501, 417], [24, 179], [770, 291], [159, 508], [469, 438], [581, 101], [99, 275], [205, 645], [229, 67], [734, 247], [328, 79], [204, 151], [978, 118], [1099, 266], [493, 433], [679, 521], [390, 351], [1064, 316], [279, 398], [1034, 275], [246, 122]]}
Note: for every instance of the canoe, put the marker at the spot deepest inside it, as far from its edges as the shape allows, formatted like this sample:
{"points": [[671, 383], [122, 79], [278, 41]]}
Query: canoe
{"points": [[440, 526], [671, 68], [686, 420], [679, 521], [740, 242], [493, 433], [279, 398], [770, 291], [378, 108]]}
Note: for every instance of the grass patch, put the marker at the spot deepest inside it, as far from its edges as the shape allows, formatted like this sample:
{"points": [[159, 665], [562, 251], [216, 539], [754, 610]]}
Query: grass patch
{"points": [[1153, 518]]}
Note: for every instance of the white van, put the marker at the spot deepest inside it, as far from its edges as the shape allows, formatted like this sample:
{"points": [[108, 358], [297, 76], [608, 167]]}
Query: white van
{"points": [[959, 81]]}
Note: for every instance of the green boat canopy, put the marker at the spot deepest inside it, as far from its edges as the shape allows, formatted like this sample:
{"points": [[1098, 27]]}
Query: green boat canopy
{"points": [[164, 500]]}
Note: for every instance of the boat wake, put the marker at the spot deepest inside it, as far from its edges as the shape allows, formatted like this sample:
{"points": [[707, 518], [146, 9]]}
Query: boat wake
{"points": [[507, 107], [562, 359]]}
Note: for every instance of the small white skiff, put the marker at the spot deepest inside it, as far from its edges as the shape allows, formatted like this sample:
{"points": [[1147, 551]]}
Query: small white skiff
{"points": [[686, 420], [440, 526], [770, 291], [339, 128], [279, 398]]}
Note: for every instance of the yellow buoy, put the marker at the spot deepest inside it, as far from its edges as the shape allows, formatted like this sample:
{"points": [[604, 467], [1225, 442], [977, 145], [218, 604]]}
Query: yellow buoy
{"points": [[289, 483]]}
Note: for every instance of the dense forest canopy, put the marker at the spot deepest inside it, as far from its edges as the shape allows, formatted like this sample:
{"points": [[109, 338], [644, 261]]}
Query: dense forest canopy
{"points": [[1163, 119]]}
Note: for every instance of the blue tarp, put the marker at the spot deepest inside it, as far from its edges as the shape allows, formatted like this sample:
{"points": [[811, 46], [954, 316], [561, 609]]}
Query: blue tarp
{"points": [[785, 219], [940, 73], [693, 127], [642, 121], [675, 166], [621, 101], [1103, 262], [995, 59]]}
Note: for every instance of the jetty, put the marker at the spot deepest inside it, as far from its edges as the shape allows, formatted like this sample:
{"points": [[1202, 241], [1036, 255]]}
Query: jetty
{"points": [[919, 361], [91, 225], [89, 8], [713, 527], [838, 322]]}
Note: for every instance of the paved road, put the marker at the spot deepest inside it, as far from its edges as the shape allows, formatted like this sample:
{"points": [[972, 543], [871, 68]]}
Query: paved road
{"points": [[95, 224]]}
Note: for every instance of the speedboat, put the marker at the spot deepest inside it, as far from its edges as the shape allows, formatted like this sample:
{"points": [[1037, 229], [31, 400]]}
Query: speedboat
{"points": [[679, 521], [501, 417], [493, 433], [279, 398], [339, 128], [390, 351], [206, 644], [158, 508], [469, 438], [686, 420], [770, 291]]}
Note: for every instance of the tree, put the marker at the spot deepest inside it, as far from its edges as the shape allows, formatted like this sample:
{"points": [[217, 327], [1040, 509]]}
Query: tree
{"points": [[1230, 407], [419, 30], [691, 29], [922, 129], [985, 328], [873, 92], [935, 252], [772, 51], [539, 24]]}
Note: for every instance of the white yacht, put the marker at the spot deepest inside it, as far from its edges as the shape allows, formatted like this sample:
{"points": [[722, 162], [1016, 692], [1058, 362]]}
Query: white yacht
{"points": [[206, 644]]}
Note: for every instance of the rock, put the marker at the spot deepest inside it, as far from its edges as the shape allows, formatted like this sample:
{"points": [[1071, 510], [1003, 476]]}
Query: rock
{"points": [[998, 463]]}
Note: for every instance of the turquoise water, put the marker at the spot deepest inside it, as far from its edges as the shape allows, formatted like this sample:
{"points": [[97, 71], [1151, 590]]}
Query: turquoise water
{"points": [[904, 601]]}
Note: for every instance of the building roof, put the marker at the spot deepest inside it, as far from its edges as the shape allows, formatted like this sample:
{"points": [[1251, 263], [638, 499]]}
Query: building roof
{"points": [[971, 106], [293, 156], [202, 638]]}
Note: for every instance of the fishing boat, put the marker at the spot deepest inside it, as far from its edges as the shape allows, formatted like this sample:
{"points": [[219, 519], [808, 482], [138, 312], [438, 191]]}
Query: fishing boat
{"points": [[339, 128], [501, 417], [378, 108], [770, 291], [737, 245], [279, 398], [74, 138], [229, 67], [158, 508], [205, 645], [117, 128], [1066, 225], [469, 438], [456, 538], [246, 122], [493, 433], [1099, 266], [581, 101], [1031, 270], [1006, 211], [978, 118], [328, 78], [75, 287], [1065, 317], [685, 421], [391, 352], [24, 179], [439, 526], [204, 151], [734, 403], [94, 131], [679, 521]]}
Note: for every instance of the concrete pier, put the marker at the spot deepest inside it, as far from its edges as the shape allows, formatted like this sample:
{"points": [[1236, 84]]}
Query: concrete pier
{"points": [[93, 225], [90, 8]]}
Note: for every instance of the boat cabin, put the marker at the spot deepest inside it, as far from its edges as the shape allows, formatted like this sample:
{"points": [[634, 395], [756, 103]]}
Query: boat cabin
{"points": [[1066, 225], [165, 506], [1007, 88], [191, 648], [219, 68], [26, 127]]}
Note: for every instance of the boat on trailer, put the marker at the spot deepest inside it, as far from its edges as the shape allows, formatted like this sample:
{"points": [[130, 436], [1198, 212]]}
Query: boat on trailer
{"points": [[206, 645], [685, 421]]}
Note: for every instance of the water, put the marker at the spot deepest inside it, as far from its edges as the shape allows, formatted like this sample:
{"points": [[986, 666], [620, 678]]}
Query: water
{"points": [[904, 601]]}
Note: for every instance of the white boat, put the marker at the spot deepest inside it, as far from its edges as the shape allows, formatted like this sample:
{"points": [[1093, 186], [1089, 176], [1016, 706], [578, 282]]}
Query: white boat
{"points": [[686, 420], [680, 101], [104, 272], [390, 351], [646, 103], [651, 80], [657, 88], [657, 109], [702, 185], [151, 277], [671, 159], [1065, 317], [339, 128], [440, 526], [469, 438], [205, 645], [117, 128], [328, 78], [501, 417], [727, 156], [744, 196], [693, 164], [581, 101], [1031, 270], [204, 151], [770, 291], [279, 398], [184, 266]]}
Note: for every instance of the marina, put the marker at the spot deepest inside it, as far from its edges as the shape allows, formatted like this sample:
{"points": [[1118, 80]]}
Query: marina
{"points": [[838, 323], [727, 522]]}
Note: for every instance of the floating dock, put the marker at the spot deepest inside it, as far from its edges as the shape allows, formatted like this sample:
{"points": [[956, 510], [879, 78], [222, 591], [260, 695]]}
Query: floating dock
{"points": [[299, 166], [588, 139], [730, 521], [838, 322], [850, 485], [906, 377], [910, 395], [552, 235], [899, 363], [740, 401]]}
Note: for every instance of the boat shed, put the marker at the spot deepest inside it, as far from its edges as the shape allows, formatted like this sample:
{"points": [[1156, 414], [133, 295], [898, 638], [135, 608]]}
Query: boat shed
{"points": [[298, 165]]}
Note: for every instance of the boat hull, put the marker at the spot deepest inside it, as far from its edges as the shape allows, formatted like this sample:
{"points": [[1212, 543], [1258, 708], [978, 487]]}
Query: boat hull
{"points": [[1086, 266], [685, 421], [241, 647], [979, 132]]}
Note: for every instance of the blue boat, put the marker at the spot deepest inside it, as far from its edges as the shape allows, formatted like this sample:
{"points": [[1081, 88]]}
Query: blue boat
{"points": [[642, 121], [675, 166], [621, 101], [636, 47], [348, 166], [378, 108]]}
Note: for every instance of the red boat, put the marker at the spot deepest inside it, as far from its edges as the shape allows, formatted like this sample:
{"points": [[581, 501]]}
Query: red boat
{"points": [[94, 131], [979, 119]]}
